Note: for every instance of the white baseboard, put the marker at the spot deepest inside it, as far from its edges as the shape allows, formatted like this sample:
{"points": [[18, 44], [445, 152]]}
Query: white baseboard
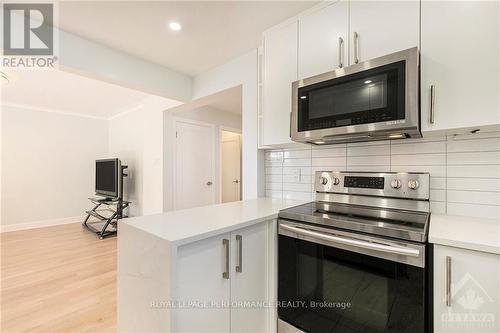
{"points": [[40, 224]]}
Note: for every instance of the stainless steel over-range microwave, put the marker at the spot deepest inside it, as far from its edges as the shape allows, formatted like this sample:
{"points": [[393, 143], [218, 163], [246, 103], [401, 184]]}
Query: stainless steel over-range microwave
{"points": [[372, 100]]}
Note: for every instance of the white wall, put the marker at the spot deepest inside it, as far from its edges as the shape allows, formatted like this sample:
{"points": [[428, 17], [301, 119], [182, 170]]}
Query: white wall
{"points": [[240, 71], [136, 137], [48, 164], [220, 119]]}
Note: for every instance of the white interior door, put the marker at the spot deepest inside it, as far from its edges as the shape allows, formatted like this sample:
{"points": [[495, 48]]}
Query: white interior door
{"points": [[194, 165], [231, 168]]}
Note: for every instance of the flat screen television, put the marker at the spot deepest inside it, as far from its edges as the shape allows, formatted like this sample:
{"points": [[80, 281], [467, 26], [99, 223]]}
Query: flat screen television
{"points": [[108, 178]]}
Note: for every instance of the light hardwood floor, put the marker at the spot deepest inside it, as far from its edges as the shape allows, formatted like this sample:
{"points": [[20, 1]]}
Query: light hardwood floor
{"points": [[57, 279]]}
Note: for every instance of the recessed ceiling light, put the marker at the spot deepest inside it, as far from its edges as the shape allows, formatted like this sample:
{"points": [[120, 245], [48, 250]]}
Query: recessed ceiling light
{"points": [[175, 26], [368, 81]]}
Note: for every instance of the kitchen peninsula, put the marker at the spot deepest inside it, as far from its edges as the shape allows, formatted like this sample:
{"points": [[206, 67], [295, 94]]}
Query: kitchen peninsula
{"points": [[179, 271]]}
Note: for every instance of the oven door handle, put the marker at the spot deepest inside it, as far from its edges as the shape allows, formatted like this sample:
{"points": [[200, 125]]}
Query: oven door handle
{"points": [[354, 242]]}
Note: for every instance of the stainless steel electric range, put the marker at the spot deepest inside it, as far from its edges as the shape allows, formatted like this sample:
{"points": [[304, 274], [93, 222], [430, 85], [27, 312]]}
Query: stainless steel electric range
{"points": [[357, 258]]}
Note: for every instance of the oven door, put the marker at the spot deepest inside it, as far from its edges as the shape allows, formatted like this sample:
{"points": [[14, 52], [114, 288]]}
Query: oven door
{"points": [[334, 281], [375, 98]]}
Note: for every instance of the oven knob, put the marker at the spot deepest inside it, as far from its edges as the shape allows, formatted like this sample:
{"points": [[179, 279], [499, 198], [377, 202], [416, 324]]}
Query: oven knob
{"points": [[323, 180], [336, 181], [395, 183], [413, 184]]}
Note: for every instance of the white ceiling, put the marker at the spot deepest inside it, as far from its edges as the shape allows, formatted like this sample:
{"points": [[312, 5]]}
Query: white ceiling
{"points": [[59, 91], [212, 32]]}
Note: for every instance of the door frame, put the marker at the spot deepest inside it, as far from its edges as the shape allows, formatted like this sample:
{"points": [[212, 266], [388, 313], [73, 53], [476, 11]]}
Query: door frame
{"points": [[174, 138], [234, 130]]}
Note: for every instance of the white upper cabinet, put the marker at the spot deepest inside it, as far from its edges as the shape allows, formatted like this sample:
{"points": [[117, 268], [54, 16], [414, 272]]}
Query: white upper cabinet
{"points": [[460, 59], [382, 27], [280, 70], [323, 39]]}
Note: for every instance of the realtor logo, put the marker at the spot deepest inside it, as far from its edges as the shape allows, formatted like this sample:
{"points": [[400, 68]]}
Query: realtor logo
{"points": [[28, 29]]}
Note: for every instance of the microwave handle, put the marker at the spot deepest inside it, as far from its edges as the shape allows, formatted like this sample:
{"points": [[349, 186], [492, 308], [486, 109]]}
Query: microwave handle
{"points": [[341, 51], [290, 129]]}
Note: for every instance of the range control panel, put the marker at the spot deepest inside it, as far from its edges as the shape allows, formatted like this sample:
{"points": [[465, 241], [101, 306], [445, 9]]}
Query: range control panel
{"points": [[364, 182], [411, 185]]}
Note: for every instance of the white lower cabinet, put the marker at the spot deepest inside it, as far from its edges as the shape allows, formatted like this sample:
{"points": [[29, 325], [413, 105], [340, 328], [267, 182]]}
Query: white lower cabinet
{"points": [[223, 280], [466, 290]]}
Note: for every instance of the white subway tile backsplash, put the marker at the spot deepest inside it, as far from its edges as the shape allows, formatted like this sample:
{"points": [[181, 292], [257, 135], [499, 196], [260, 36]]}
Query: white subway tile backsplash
{"points": [[437, 195], [419, 159], [475, 171], [490, 157], [274, 178], [296, 171], [438, 207], [298, 162], [474, 184], [299, 178], [329, 152], [475, 197], [369, 168], [434, 170], [273, 163], [419, 148], [274, 171], [438, 183], [274, 156], [368, 160], [297, 153], [274, 186], [297, 187], [489, 144], [329, 161], [369, 150], [465, 169]]}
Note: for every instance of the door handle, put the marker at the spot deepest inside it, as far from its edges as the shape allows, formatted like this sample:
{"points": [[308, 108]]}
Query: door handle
{"points": [[239, 266], [353, 242], [225, 273], [341, 48], [209, 183], [356, 41], [433, 98], [236, 181], [448, 281]]}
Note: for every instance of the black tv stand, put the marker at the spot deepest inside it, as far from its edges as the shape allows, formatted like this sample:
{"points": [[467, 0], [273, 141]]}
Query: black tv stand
{"points": [[107, 218]]}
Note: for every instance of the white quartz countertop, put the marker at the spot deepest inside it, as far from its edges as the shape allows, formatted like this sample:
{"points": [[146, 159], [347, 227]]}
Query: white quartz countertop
{"points": [[189, 225], [465, 232]]}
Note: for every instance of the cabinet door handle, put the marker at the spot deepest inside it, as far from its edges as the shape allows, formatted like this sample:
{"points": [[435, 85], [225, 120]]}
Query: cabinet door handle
{"points": [[239, 266], [433, 98], [356, 41], [341, 51], [225, 243], [448, 281]]}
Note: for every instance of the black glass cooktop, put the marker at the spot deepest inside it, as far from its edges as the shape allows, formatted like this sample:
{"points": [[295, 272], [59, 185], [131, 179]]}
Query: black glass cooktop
{"points": [[394, 223]]}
